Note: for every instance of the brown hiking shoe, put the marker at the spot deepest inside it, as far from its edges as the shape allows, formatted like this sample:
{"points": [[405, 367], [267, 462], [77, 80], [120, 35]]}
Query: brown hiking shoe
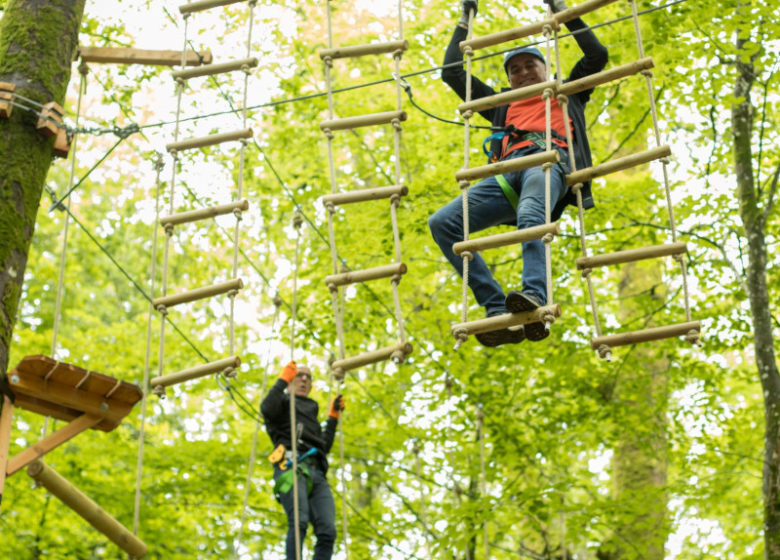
{"points": [[517, 302]]}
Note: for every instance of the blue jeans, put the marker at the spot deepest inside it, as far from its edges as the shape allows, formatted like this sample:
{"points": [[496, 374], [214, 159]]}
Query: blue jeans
{"points": [[488, 206], [316, 508]]}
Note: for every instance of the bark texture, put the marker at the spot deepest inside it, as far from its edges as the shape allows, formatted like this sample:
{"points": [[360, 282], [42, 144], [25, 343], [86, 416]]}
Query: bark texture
{"points": [[37, 42]]}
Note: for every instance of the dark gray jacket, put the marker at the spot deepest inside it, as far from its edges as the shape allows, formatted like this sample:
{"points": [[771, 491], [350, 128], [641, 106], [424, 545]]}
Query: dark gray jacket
{"points": [[593, 61]]}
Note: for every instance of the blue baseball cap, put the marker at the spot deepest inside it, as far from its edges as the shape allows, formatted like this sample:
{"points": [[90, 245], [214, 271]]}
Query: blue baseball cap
{"points": [[522, 50]]}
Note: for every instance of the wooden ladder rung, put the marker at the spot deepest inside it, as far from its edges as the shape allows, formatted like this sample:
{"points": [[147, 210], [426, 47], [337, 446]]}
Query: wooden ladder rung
{"points": [[534, 28], [507, 238], [363, 195], [506, 97], [355, 276], [203, 213], [514, 164], [397, 352], [646, 335], [209, 140], [201, 5], [126, 55], [87, 508], [507, 320], [619, 164], [230, 363], [51, 116], [363, 120], [6, 97], [589, 82], [631, 255], [198, 293], [212, 69], [353, 51]]}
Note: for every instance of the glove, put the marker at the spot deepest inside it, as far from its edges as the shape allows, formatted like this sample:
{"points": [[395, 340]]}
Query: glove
{"points": [[336, 406], [289, 372], [556, 5], [467, 6]]}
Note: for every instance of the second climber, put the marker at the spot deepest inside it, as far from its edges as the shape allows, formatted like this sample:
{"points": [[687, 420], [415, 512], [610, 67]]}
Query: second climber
{"points": [[518, 198]]}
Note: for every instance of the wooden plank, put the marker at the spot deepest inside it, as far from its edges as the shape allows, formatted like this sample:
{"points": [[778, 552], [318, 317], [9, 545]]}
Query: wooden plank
{"points": [[619, 164], [199, 293], [507, 320], [580, 10], [373, 119], [616, 73], [632, 255], [210, 140], [355, 276], [6, 421], [514, 164], [203, 213], [506, 97], [645, 335], [353, 51], [398, 353], [128, 55], [70, 397], [507, 35], [195, 372], [508, 238], [200, 5], [213, 69], [86, 508], [53, 440], [364, 195]]}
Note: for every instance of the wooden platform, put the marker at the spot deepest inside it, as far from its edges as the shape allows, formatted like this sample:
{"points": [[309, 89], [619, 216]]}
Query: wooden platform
{"points": [[65, 391]]}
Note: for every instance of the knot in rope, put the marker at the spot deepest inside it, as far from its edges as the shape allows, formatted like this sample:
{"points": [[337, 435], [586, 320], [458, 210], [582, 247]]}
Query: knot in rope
{"points": [[467, 114], [396, 124], [232, 293], [468, 51], [169, 229], [586, 272], [576, 188], [277, 301], [179, 81], [162, 309], [159, 390], [83, 68], [461, 335], [547, 165], [547, 29], [338, 373], [332, 286], [230, 372], [245, 68], [647, 73], [330, 207], [328, 133], [467, 255], [395, 279], [547, 94], [328, 60], [548, 317], [297, 219], [463, 184], [678, 258], [398, 53], [605, 352], [692, 336], [398, 356], [238, 213], [159, 164], [665, 160], [126, 131], [395, 200], [562, 99], [548, 238]]}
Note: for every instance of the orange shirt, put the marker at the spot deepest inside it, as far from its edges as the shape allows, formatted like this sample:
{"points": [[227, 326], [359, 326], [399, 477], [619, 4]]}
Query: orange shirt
{"points": [[529, 114]]}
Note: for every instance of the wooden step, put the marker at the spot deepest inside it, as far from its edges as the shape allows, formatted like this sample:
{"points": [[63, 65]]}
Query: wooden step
{"points": [[51, 116], [203, 213], [86, 508], [7, 90], [646, 335], [631, 255], [126, 55], [507, 238], [198, 293], [619, 164], [506, 320], [514, 164], [506, 97], [616, 73], [363, 195], [353, 51], [196, 372], [209, 140], [201, 5], [212, 69], [398, 353], [355, 276], [534, 28], [373, 119]]}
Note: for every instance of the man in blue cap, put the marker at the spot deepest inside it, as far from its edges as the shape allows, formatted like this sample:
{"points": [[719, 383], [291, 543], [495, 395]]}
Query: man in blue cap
{"points": [[518, 198]]}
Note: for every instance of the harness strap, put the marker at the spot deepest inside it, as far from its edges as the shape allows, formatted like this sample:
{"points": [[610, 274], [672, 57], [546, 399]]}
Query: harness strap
{"points": [[509, 192]]}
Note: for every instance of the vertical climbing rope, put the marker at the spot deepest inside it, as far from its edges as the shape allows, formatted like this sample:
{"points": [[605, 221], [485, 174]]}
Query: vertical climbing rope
{"points": [[692, 336], [297, 222], [547, 166], [482, 475], [158, 166], [418, 468]]}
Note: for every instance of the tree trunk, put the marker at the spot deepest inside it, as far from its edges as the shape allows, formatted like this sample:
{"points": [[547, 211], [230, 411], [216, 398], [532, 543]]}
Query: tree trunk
{"points": [[37, 42], [754, 222]]}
